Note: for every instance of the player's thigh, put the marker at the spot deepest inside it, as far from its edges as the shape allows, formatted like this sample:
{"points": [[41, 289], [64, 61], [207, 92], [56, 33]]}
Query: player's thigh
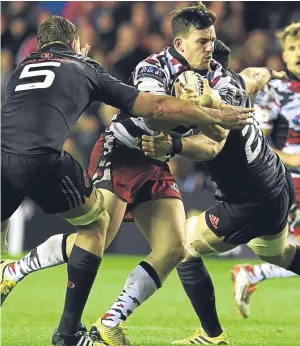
{"points": [[64, 189], [11, 198], [162, 222], [116, 207], [201, 240], [270, 245]]}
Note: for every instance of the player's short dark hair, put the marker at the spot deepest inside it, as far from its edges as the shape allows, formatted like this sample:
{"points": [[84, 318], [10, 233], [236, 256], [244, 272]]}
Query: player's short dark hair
{"points": [[292, 30], [56, 29], [190, 18]]}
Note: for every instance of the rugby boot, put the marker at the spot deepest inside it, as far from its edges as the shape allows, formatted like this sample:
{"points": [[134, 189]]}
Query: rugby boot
{"points": [[6, 285], [113, 336], [81, 338], [201, 338], [243, 288]]}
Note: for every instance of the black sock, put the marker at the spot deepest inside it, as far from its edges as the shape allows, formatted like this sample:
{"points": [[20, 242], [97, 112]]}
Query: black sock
{"points": [[295, 265], [82, 270], [199, 288]]}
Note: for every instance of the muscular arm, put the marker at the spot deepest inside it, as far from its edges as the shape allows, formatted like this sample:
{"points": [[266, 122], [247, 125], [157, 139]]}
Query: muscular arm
{"points": [[292, 160], [197, 147], [214, 132], [256, 78], [167, 111], [200, 148]]}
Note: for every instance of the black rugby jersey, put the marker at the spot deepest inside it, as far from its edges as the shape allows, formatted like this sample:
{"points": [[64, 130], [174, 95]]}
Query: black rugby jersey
{"points": [[48, 92], [246, 169]]}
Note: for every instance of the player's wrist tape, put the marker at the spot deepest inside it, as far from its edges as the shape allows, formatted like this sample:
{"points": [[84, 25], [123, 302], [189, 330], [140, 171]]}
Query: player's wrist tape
{"points": [[176, 146]]}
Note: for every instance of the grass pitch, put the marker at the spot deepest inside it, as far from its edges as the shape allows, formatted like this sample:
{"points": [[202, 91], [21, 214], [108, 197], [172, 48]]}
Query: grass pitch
{"points": [[31, 313]]}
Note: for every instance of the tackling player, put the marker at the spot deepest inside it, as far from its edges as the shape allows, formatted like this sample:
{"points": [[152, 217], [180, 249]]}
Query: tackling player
{"points": [[137, 179], [278, 112], [45, 97]]}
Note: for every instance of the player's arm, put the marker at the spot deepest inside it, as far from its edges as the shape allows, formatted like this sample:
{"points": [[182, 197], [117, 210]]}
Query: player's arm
{"points": [[197, 147], [267, 111], [162, 108], [256, 78], [292, 160], [210, 98]]}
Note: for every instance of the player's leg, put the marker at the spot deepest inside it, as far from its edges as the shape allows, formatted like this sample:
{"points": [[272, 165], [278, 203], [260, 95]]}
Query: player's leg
{"points": [[260, 272], [11, 198], [283, 258], [197, 283], [62, 187], [163, 224], [276, 250], [57, 249], [4, 231], [250, 275]]}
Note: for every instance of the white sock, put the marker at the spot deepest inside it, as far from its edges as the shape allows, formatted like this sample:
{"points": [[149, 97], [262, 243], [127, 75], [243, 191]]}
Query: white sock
{"points": [[140, 285], [268, 271], [48, 254]]}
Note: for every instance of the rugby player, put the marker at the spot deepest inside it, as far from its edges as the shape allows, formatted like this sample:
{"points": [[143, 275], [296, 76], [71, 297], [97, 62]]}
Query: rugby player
{"points": [[278, 112], [45, 97], [138, 179], [255, 192]]}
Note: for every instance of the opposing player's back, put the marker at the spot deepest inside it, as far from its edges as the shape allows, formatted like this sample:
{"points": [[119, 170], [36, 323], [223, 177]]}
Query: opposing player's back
{"points": [[247, 168], [45, 96]]}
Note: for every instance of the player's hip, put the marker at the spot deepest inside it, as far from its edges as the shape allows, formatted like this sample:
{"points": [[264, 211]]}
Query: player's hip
{"points": [[240, 222], [130, 174]]}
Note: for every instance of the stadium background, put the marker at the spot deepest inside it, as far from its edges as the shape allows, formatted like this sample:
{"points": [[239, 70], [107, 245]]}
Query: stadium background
{"points": [[121, 34]]}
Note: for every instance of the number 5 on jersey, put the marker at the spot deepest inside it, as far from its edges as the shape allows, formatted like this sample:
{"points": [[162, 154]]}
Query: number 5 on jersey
{"points": [[28, 73]]}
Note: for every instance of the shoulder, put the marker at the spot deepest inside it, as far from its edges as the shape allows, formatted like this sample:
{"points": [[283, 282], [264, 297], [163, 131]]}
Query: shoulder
{"points": [[236, 78], [153, 66]]}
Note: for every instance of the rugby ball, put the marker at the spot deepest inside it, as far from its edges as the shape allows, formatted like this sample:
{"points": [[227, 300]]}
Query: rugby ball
{"points": [[190, 79]]}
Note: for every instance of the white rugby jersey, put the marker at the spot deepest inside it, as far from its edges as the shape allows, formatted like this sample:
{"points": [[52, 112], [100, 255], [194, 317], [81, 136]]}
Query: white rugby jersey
{"points": [[156, 75], [277, 108]]}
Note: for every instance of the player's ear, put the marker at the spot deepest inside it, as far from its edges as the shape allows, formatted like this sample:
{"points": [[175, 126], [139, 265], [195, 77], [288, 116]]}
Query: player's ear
{"points": [[284, 57], [178, 44], [75, 45]]}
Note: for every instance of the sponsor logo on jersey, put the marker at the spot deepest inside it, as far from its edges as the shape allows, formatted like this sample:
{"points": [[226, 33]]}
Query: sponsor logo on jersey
{"points": [[151, 72]]}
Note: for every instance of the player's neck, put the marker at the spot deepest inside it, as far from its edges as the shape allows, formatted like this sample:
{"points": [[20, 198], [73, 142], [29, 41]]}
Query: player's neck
{"points": [[292, 76]]}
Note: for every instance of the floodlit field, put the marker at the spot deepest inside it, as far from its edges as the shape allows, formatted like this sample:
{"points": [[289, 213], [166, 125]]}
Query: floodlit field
{"points": [[31, 313]]}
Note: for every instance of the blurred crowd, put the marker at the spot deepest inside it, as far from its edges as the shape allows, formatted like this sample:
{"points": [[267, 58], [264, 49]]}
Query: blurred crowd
{"points": [[123, 33]]}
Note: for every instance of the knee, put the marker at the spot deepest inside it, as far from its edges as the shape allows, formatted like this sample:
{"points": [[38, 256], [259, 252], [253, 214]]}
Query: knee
{"points": [[100, 225], [174, 253]]}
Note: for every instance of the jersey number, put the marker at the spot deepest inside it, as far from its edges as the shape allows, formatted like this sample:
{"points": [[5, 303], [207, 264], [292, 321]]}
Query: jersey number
{"points": [[27, 73], [254, 130]]}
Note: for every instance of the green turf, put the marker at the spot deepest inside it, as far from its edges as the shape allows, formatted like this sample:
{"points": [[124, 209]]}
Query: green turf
{"points": [[31, 313]]}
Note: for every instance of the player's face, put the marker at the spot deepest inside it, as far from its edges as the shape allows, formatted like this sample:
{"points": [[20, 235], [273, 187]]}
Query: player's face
{"points": [[198, 48], [291, 54]]}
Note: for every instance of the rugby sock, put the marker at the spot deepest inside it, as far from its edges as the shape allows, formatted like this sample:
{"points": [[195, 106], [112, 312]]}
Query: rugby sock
{"points": [[49, 254], [265, 271], [198, 286], [140, 285], [82, 270], [295, 265]]}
